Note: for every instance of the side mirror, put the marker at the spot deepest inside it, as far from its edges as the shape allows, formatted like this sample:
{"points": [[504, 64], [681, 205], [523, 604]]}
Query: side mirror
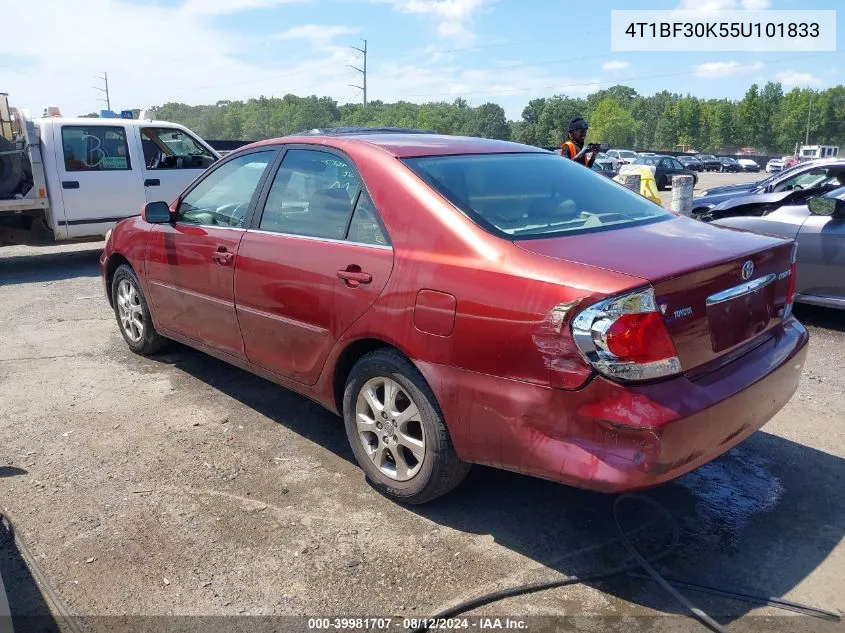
{"points": [[829, 207], [156, 213]]}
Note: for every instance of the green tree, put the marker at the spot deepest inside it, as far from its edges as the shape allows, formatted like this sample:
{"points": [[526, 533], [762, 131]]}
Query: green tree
{"points": [[611, 123]]}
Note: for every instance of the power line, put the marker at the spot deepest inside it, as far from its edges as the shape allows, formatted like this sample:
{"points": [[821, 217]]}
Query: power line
{"points": [[104, 78], [363, 71]]}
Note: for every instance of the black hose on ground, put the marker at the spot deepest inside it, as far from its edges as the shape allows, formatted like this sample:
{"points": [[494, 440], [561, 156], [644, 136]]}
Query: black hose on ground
{"points": [[642, 562]]}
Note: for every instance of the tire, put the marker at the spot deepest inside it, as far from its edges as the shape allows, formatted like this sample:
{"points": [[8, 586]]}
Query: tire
{"points": [[661, 183], [439, 470], [141, 336]]}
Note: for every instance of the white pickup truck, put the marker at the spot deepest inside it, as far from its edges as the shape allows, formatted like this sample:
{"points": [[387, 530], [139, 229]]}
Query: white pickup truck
{"points": [[67, 179]]}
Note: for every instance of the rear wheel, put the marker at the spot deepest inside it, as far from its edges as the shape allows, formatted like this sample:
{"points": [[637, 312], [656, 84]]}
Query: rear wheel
{"points": [[661, 183], [397, 431], [133, 314]]}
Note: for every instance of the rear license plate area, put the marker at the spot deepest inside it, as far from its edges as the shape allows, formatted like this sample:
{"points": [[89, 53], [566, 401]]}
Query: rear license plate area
{"points": [[734, 321]]}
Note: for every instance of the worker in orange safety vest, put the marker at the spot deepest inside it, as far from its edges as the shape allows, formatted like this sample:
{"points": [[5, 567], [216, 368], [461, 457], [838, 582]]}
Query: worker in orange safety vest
{"points": [[573, 147]]}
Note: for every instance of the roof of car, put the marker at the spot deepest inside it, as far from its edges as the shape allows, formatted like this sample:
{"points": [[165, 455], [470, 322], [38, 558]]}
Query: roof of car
{"points": [[406, 143]]}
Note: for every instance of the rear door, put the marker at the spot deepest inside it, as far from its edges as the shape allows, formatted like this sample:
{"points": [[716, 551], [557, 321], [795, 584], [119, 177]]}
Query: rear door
{"points": [[173, 159], [190, 264], [99, 174], [315, 260]]}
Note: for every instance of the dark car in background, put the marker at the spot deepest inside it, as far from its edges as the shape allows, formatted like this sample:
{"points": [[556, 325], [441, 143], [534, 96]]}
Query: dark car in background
{"points": [[749, 165], [691, 163], [710, 162], [790, 186], [666, 168], [818, 228], [729, 165]]}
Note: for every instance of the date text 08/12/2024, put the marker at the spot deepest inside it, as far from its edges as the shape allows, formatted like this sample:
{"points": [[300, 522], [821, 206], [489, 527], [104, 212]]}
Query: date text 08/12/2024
{"points": [[385, 624]]}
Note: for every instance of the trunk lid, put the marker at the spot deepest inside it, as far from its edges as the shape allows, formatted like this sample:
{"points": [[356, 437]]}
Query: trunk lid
{"points": [[710, 307]]}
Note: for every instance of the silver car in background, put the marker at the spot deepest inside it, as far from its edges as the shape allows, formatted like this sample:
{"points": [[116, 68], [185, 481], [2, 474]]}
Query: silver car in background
{"points": [[818, 227]]}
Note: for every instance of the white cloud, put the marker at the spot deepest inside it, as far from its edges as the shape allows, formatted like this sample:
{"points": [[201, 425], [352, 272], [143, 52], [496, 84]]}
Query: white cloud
{"points": [[794, 78], [616, 65], [710, 6], [315, 33], [454, 17], [222, 7], [146, 67], [715, 70]]}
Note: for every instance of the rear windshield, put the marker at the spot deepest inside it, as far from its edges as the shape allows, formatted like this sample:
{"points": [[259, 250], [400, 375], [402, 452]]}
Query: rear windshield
{"points": [[520, 196]]}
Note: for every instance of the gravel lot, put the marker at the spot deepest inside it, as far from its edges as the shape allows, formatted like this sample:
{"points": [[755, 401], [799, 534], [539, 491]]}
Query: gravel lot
{"points": [[182, 486]]}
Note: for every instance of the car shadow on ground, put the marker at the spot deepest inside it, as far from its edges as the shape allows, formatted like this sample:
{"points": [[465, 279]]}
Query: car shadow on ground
{"points": [[760, 519], [816, 316], [49, 266], [27, 606]]}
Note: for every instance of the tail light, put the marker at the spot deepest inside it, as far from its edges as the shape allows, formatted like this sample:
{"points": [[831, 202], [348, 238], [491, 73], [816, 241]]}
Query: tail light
{"points": [[790, 293], [625, 337]]}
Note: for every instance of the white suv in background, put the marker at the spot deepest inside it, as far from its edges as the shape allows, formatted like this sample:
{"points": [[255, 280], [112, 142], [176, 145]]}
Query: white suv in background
{"points": [[622, 157]]}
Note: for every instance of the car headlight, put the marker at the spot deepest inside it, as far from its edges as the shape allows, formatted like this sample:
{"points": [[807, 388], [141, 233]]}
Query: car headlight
{"points": [[703, 193], [108, 235]]}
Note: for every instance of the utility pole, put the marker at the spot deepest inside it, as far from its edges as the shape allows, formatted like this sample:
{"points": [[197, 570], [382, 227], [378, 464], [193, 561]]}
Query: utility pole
{"points": [[363, 71], [809, 109], [104, 78]]}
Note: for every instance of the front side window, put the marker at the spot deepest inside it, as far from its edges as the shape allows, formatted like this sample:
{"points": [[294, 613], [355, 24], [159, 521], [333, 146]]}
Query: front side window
{"points": [[95, 148], [223, 197], [521, 196], [311, 195], [171, 148]]}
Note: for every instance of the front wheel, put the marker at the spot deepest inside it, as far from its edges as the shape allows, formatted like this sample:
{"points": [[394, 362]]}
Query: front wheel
{"points": [[133, 313], [397, 431]]}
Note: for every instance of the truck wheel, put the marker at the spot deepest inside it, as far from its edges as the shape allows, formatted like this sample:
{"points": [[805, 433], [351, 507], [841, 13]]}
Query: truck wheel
{"points": [[133, 314], [11, 168], [397, 431]]}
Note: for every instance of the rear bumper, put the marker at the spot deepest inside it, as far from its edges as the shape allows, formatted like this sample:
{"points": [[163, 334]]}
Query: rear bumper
{"points": [[613, 438]]}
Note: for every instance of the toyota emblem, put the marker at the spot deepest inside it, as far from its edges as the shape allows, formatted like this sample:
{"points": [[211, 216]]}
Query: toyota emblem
{"points": [[747, 270]]}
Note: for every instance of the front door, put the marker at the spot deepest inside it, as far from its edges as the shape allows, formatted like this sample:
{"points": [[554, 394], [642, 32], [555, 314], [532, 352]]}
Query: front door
{"points": [[191, 263], [821, 258], [307, 271], [172, 160], [99, 175]]}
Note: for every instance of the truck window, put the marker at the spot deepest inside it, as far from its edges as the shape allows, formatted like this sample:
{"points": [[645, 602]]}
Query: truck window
{"points": [[95, 148], [171, 148]]}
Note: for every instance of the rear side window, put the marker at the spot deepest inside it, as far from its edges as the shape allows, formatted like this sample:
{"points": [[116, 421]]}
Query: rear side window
{"points": [[311, 195], [95, 148], [365, 227], [521, 196]]}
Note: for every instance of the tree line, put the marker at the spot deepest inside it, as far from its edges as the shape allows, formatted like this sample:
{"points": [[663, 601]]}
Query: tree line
{"points": [[766, 119]]}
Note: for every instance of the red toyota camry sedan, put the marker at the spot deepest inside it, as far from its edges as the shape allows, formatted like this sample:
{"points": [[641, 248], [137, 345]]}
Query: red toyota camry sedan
{"points": [[463, 300]]}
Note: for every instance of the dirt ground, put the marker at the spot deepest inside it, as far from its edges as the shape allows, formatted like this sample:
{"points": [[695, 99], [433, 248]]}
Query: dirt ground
{"points": [[179, 485]]}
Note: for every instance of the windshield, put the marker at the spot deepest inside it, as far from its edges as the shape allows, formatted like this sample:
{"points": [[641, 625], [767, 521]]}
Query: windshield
{"points": [[647, 160], [531, 195], [627, 154]]}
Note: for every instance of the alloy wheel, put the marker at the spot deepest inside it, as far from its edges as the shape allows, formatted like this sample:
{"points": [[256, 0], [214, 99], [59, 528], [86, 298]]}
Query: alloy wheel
{"points": [[130, 310], [390, 428]]}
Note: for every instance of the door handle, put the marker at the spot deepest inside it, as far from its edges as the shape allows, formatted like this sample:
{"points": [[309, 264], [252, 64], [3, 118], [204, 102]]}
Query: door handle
{"points": [[152, 182], [222, 256], [70, 184], [354, 277]]}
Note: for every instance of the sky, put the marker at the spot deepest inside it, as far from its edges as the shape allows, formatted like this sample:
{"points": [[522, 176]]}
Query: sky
{"points": [[504, 51]]}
